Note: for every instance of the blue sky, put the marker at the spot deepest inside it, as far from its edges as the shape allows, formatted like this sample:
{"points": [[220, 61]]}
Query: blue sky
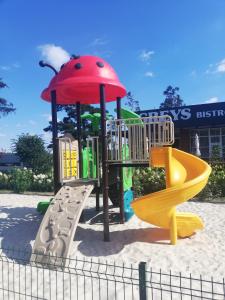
{"points": [[150, 44]]}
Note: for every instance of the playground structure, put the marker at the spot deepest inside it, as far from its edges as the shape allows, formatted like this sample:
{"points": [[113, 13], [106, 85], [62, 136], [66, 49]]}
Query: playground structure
{"points": [[126, 142]]}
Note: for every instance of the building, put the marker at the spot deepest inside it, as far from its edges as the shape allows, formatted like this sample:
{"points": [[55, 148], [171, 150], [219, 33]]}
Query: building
{"points": [[8, 161], [207, 120]]}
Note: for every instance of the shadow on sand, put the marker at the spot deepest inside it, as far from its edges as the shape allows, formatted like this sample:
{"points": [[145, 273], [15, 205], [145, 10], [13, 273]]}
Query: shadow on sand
{"points": [[18, 227], [92, 243]]}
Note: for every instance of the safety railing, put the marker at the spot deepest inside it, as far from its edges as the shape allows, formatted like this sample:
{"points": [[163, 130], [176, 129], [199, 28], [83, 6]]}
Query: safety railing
{"points": [[130, 140]]}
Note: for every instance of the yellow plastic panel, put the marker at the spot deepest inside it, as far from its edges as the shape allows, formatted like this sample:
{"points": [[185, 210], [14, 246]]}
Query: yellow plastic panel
{"points": [[70, 163]]}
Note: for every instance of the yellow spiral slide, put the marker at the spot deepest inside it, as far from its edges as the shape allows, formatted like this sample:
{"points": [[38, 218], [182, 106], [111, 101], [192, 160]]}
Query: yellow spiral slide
{"points": [[186, 176]]}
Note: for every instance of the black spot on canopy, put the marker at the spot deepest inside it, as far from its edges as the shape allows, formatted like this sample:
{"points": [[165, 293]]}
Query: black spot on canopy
{"points": [[74, 56], [100, 64], [78, 66]]}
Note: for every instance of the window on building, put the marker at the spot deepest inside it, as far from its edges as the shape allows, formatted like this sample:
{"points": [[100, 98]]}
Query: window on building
{"points": [[176, 138], [211, 142]]}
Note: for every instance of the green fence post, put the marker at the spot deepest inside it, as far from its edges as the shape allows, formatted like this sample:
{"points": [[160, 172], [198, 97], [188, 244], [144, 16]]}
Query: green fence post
{"points": [[142, 280]]}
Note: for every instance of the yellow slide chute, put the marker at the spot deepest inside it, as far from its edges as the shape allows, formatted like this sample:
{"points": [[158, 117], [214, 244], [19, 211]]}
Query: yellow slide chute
{"points": [[186, 176]]}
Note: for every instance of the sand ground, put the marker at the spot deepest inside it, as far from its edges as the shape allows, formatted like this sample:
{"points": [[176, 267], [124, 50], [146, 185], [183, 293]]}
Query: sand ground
{"points": [[132, 242]]}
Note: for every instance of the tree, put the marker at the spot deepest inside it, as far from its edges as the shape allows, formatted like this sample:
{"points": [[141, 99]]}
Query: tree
{"points": [[69, 123], [132, 103], [31, 150], [5, 106], [172, 98]]}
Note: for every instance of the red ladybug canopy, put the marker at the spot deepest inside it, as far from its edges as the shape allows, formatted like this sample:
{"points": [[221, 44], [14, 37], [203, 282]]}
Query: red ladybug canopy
{"points": [[79, 80]]}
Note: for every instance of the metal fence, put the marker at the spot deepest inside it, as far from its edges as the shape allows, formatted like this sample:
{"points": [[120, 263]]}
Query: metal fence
{"points": [[80, 279]]}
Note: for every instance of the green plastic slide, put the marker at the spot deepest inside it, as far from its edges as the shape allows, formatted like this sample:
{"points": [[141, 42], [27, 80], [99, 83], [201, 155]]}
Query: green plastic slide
{"points": [[128, 114]]}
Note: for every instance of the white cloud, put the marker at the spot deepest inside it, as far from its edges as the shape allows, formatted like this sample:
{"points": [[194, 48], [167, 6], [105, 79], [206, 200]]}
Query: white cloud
{"points": [[5, 68], [99, 42], [98, 49], [10, 67], [210, 69], [213, 100], [149, 74], [16, 65], [220, 67], [54, 55], [48, 117], [32, 122], [193, 73], [216, 68], [2, 135], [145, 55], [47, 136], [105, 54]]}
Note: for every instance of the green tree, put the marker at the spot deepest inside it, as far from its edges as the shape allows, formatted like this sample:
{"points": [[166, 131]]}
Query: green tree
{"points": [[172, 98], [132, 103], [5, 106], [69, 123], [32, 152]]}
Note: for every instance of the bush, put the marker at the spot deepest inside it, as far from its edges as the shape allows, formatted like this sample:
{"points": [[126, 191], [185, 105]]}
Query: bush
{"points": [[21, 180], [215, 187], [148, 180], [4, 181], [42, 183]]}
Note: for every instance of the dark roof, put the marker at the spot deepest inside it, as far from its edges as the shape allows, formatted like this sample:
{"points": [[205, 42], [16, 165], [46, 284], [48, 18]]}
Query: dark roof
{"points": [[9, 158]]}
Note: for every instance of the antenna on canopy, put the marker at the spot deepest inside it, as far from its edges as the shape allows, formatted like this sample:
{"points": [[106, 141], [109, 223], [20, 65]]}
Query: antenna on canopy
{"points": [[44, 64]]}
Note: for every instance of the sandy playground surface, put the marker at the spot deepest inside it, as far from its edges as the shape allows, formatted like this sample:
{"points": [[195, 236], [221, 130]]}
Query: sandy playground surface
{"points": [[132, 242]]}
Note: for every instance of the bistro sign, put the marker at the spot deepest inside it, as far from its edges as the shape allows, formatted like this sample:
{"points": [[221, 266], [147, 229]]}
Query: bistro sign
{"points": [[192, 116]]}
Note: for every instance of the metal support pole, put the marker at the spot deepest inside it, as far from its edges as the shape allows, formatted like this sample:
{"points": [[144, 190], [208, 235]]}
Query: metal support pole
{"points": [[55, 142], [120, 169], [97, 185], [97, 192], [105, 181], [142, 280], [79, 138]]}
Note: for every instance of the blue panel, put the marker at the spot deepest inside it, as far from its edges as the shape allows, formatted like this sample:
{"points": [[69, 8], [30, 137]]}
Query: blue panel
{"points": [[210, 115], [128, 198]]}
